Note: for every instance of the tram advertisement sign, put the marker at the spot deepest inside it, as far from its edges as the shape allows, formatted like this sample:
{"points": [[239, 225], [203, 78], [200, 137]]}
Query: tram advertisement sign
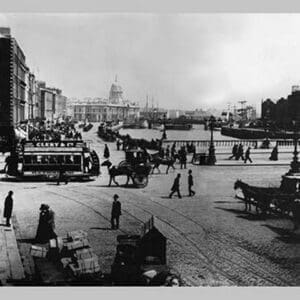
{"points": [[55, 144]]}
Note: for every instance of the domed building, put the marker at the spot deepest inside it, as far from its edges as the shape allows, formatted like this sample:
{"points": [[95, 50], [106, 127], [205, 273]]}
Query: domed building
{"points": [[115, 108], [116, 93]]}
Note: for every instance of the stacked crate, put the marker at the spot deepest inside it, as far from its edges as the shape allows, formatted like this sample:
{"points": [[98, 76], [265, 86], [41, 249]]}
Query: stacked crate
{"points": [[79, 256], [38, 251], [73, 252]]}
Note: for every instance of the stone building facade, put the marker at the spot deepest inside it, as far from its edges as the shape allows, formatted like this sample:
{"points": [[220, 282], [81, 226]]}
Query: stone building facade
{"points": [[115, 108], [13, 71], [284, 111]]}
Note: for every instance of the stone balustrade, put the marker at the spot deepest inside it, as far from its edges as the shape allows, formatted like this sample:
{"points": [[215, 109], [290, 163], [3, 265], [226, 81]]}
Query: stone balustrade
{"points": [[230, 143]]}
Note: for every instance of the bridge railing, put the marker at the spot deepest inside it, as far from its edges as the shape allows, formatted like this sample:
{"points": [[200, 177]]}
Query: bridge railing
{"points": [[204, 144]]}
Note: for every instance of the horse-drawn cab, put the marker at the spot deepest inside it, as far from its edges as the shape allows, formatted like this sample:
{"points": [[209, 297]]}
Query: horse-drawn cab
{"points": [[135, 167], [137, 161], [135, 157]]}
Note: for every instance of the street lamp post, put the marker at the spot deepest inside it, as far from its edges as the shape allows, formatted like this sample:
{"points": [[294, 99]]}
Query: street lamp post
{"points": [[164, 136], [295, 163], [211, 152], [290, 181]]}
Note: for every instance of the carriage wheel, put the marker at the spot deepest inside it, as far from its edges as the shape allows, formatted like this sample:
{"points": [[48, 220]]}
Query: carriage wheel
{"points": [[140, 180]]}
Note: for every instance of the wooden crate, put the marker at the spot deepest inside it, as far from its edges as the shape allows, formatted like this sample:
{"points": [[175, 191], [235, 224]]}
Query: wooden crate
{"points": [[38, 251]]}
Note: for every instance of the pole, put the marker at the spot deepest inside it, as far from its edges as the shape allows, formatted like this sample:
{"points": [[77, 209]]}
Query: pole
{"points": [[211, 152], [164, 136], [295, 163]]}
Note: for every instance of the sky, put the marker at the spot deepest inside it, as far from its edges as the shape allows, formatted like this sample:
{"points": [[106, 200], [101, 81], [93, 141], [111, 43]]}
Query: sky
{"points": [[184, 61]]}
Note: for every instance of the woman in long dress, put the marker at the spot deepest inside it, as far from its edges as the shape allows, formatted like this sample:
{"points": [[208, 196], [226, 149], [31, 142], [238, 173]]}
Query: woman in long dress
{"points": [[106, 152], [274, 154], [46, 226]]}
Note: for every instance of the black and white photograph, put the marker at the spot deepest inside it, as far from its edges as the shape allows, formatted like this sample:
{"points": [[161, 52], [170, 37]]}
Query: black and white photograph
{"points": [[149, 149]]}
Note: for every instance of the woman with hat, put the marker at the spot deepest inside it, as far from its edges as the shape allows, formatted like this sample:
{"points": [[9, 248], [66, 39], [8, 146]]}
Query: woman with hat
{"points": [[46, 226]]}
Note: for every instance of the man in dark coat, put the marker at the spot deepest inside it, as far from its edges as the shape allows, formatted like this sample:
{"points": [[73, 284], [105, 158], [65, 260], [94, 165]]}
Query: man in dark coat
{"points": [[115, 212], [240, 152], [106, 152], [234, 151], [62, 175], [175, 187], [8, 207], [190, 184], [247, 155], [118, 144], [173, 150], [183, 158]]}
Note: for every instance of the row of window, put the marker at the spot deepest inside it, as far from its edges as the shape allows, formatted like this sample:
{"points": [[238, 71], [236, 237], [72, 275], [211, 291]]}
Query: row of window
{"points": [[52, 159]]}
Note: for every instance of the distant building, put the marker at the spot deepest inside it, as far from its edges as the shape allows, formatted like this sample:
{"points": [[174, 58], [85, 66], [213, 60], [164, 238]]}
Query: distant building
{"points": [[197, 114], [250, 112], [51, 104], [268, 108], [175, 113], [284, 111], [47, 104], [115, 108], [31, 96]]}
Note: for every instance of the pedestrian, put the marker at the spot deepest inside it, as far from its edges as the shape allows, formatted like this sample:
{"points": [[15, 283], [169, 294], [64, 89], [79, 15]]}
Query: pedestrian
{"points": [[190, 184], [118, 144], [182, 158], [168, 152], [86, 162], [240, 152], [247, 155], [173, 150], [8, 207], [274, 154], [106, 152], [162, 152], [234, 151], [296, 214], [62, 175], [115, 212], [176, 187], [46, 226]]}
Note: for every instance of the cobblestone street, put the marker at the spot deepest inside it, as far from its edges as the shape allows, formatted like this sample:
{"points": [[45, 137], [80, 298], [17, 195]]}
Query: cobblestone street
{"points": [[211, 240]]}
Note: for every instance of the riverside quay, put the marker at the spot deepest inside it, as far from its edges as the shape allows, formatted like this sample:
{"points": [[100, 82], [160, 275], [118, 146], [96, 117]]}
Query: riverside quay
{"points": [[156, 183]]}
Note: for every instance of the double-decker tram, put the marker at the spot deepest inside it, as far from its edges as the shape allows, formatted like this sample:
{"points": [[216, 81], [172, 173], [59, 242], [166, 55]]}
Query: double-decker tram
{"points": [[47, 159]]}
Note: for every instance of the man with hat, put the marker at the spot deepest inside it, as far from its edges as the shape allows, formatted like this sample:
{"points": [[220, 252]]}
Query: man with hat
{"points": [[115, 212], [176, 187], [8, 207]]}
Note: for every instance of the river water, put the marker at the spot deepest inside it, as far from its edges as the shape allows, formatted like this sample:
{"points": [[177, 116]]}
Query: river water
{"points": [[196, 133]]}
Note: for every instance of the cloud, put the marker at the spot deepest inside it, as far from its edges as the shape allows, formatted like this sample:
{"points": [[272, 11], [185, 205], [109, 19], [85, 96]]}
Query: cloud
{"points": [[182, 60]]}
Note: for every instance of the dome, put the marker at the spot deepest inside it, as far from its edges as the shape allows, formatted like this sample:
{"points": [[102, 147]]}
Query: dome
{"points": [[116, 93], [116, 88]]}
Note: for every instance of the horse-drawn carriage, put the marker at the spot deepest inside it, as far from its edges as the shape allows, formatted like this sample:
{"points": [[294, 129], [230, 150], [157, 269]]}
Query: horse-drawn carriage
{"points": [[266, 200], [135, 167]]}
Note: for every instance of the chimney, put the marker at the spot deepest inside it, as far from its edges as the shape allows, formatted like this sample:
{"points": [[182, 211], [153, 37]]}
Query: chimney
{"points": [[5, 31]]}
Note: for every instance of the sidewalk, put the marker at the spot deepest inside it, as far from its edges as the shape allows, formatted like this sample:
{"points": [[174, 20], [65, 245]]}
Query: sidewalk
{"points": [[11, 267], [260, 162]]}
